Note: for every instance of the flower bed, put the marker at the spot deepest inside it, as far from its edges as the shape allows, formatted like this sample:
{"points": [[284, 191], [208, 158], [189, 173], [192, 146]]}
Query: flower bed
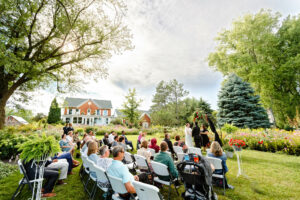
{"points": [[272, 140]]}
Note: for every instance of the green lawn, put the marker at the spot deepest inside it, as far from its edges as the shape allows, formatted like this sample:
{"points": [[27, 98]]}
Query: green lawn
{"points": [[271, 176]]}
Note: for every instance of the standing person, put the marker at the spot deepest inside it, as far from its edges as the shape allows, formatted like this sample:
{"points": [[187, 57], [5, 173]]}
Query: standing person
{"points": [[188, 135], [170, 145], [127, 141], [66, 128], [196, 135], [70, 128], [205, 139]]}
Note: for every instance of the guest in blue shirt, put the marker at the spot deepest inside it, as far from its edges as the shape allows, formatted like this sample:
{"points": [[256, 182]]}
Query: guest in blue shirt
{"points": [[64, 144], [119, 170], [127, 141]]}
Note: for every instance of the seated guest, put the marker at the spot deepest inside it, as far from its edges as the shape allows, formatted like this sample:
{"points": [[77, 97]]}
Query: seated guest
{"points": [[69, 138], [122, 143], [180, 143], [153, 145], [115, 142], [127, 142], [111, 137], [64, 144], [50, 175], [139, 140], [92, 135], [72, 163], [119, 170], [76, 139], [217, 152], [104, 162], [62, 165], [164, 158], [143, 151], [92, 154], [170, 145], [85, 147], [105, 139]]}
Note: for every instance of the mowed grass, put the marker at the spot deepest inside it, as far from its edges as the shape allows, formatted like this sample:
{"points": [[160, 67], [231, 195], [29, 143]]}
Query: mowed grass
{"points": [[270, 176]]}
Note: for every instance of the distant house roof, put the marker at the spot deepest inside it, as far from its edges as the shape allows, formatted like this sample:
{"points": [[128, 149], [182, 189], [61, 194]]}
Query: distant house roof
{"points": [[20, 119], [76, 102]]}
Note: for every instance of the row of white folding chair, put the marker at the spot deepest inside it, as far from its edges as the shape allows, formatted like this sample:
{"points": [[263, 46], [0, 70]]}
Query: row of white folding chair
{"points": [[152, 151], [217, 163], [141, 162], [130, 163]]}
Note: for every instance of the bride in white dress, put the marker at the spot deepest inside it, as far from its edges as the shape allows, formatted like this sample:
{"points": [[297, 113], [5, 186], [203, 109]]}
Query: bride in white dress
{"points": [[188, 135]]}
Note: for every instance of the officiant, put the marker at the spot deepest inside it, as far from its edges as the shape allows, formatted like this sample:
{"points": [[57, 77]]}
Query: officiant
{"points": [[196, 135]]}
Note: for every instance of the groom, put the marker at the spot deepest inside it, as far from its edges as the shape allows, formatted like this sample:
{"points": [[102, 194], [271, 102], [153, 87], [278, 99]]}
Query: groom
{"points": [[196, 135]]}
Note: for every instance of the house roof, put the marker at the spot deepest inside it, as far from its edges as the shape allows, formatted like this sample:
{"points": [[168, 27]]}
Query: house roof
{"points": [[76, 102], [19, 119]]}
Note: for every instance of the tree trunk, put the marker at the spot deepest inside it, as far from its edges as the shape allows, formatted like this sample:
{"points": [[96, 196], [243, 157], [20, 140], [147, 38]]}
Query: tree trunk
{"points": [[2, 113]]}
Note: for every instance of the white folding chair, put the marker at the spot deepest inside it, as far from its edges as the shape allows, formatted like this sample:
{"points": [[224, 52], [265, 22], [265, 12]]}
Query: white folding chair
{"points": [[180, 157], [84, 168], [160, 169], [129, 160], [101, 178], [217, 163], [92, 176], [152, 151], [195, 150], [146, 191], [117, 186], [25, 180], [177, 149], [141, 162]]}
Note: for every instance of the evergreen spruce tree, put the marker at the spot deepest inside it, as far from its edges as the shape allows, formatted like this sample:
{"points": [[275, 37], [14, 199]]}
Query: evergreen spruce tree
{"points": [[239, 106], [54, 112]]}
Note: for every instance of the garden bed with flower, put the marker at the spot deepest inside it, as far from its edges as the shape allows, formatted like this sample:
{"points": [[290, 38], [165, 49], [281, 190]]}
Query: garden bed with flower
{"points": [[271, 140]]}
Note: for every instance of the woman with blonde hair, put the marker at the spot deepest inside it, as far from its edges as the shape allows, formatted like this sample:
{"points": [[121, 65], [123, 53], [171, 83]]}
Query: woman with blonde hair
{"points": [[92, 151], [216, 151]]}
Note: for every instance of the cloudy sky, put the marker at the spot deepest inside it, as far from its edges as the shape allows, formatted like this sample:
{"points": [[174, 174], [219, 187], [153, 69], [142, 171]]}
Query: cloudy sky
{"points": [[172, 39]]}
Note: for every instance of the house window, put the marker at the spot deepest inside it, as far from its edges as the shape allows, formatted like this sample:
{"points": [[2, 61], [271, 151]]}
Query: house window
{"points": [[106, 120], [70, 111], [98, 112], [67, 120], [104, 112], [77, 111], [75, 120], [89, 111], [79, 120]]}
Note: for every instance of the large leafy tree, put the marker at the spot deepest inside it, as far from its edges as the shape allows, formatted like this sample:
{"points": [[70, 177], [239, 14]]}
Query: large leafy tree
{"points": [[239, 106], [264, 50], [167, 102], [61, 41], [130, 107], [54, 112]]}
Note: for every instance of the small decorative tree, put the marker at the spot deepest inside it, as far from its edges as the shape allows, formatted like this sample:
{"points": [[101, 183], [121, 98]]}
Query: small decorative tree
{"points": [[54, 112]]}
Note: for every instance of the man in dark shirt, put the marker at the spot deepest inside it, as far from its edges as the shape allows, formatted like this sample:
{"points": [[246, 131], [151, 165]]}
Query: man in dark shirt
{"points": [[196, 135], [127, 142], [170, 145]]}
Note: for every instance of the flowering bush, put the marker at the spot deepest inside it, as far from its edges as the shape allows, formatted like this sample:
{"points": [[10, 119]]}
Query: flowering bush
{"points": [[271, 140], [237, 143], [7, 169]]}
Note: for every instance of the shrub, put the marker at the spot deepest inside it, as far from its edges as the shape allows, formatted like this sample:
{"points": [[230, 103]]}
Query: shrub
{"points": [[38, 147], [116, 121], [91, 128], [7, 169], [9, 142], [229, 128]]}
